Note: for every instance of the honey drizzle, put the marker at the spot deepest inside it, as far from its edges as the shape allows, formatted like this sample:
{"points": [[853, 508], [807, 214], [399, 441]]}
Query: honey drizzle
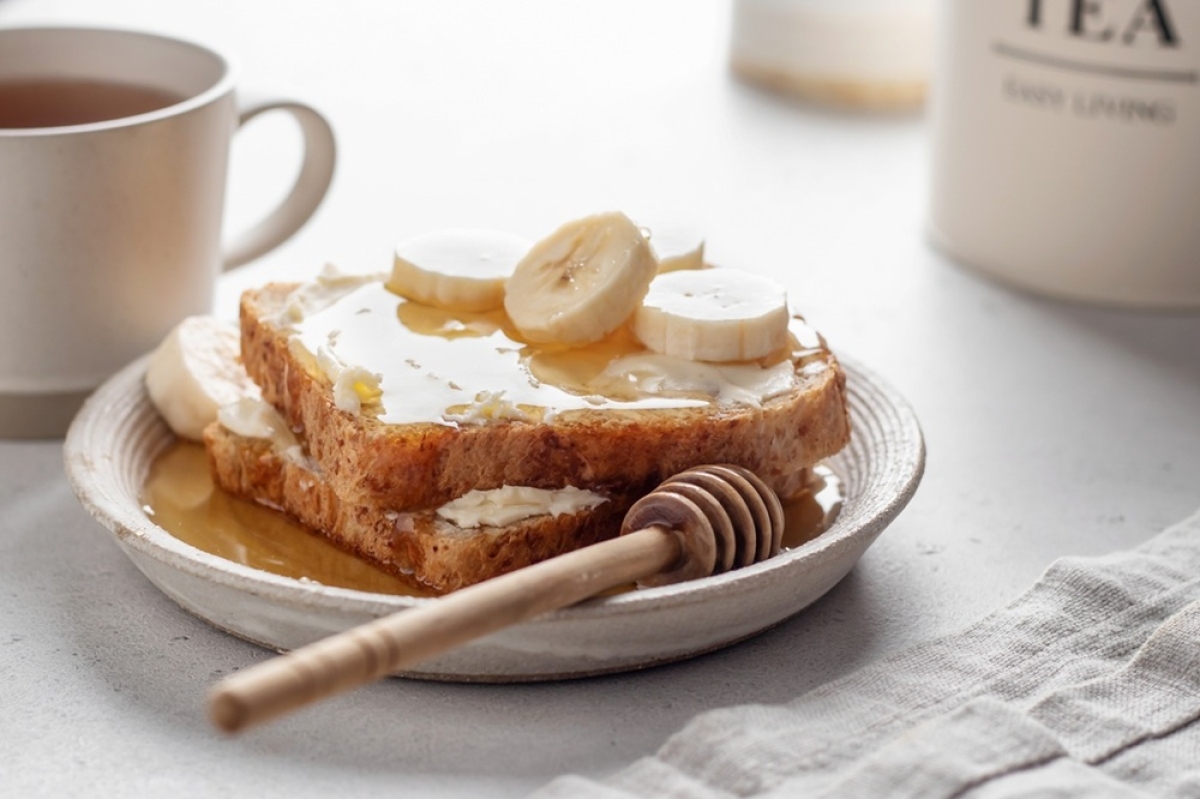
{"points": [[179, 496], [436, 362]]}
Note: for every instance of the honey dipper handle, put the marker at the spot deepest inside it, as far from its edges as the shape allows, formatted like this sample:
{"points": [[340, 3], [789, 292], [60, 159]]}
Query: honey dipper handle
{"points": [[381, 647]]}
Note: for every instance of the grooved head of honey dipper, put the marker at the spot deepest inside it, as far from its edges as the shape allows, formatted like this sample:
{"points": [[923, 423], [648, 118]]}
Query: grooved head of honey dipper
{"points": [[689, 522], [732, 521], [725, 517], [760, 501]]}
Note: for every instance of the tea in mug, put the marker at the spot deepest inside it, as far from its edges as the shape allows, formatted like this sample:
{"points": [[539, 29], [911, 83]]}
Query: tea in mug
{"points": [[56, 102]]}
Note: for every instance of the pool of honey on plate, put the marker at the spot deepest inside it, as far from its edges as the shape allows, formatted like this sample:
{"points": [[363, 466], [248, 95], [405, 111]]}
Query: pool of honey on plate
{"points": [[180, 497]]}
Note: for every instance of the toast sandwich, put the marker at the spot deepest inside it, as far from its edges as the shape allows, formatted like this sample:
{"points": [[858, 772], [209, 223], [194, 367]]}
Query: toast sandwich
{"points": [[402, 408]]}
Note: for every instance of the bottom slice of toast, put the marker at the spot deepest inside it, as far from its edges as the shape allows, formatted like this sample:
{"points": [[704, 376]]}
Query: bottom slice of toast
{"points": [[420, 548]]}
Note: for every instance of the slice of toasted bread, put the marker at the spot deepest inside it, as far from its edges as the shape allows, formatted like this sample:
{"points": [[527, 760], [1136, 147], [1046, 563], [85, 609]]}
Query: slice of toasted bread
{"points": [[406, 467], [420, 548]]}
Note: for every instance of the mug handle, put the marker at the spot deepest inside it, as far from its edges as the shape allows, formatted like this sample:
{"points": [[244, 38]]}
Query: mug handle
{"points": [[320, 153]]}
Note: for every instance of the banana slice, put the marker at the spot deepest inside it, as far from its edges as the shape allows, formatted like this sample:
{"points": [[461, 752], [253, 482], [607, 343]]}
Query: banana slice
{"points": [[581, 282], [196, 371], [677, 247], [458, 270], [713, 315]]}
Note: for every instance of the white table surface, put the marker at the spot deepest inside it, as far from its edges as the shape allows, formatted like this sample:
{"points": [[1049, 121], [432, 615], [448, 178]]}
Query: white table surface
{"points": [[1052, 429]]}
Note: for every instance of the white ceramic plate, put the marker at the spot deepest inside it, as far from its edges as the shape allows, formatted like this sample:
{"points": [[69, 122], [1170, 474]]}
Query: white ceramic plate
{"points": [[118, 434]]}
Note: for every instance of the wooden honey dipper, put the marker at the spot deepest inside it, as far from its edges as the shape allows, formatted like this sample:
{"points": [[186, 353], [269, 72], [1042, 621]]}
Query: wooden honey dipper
{"points": [[703, 521]]}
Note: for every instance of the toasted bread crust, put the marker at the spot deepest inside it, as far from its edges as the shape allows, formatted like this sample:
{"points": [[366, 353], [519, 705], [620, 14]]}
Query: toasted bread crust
{"points": [[420, 466], [419, 548]]}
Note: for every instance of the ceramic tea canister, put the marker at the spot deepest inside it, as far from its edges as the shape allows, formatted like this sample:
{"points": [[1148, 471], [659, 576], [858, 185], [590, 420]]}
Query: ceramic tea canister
{"points": [[1066, 146]]}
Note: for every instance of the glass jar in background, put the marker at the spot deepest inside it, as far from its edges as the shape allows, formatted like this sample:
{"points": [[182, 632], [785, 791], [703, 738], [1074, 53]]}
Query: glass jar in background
{"points": [[872, 54]]}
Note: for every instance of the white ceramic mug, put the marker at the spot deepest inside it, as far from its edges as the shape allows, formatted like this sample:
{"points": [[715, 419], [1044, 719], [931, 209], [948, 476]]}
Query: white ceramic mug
{"points": [[110, 227], [1066, 146]]}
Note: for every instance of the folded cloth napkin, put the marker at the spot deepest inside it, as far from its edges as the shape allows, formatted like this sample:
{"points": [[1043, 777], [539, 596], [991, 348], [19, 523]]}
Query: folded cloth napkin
{"points": [[1087, 685]]}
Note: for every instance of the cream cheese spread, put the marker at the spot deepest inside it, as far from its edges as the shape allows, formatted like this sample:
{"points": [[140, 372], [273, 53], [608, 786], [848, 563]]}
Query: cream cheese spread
{"points": [[726, 383], [499, 507], [254, 418], [327, 288], [353, 386]]}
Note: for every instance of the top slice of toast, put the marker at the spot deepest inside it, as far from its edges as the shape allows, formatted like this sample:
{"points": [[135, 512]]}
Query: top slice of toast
{"points": [[422, 465]]}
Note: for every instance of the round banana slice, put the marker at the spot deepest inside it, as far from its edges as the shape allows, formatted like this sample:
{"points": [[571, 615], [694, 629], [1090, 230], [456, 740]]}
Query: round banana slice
{"points": [[581, 282], [713, 315], [194, 372], [458, 270]]}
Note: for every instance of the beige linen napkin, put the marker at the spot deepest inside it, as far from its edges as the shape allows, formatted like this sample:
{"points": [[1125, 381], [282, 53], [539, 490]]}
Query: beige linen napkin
{"points": [[1087, 685]]}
